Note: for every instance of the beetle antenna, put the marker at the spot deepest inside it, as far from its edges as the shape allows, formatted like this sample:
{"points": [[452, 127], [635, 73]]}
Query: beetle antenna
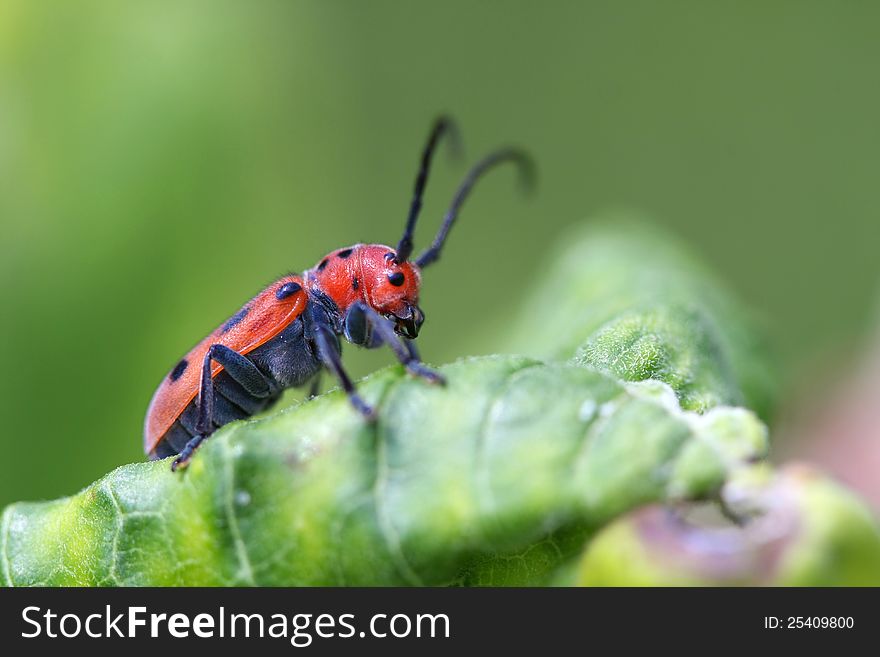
{"points": [[527, 176], [442, 125]]}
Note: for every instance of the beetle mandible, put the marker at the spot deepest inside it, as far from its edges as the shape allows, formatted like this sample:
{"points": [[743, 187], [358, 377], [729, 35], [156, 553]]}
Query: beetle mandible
{"points": [[287, 334]]}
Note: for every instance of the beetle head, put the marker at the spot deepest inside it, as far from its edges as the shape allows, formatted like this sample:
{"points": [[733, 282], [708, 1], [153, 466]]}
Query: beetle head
{"points": [[392, 288]]}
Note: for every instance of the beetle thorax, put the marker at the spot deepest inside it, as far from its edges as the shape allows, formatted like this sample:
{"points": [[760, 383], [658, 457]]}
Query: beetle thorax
{"points": [[369, 273]]}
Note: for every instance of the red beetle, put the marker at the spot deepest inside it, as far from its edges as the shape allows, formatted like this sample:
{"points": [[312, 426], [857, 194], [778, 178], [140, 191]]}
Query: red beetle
{"points": [[289, 332]]}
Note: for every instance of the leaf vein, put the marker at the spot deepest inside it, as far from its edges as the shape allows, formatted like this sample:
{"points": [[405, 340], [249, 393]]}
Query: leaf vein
{"points": [[594, 427], [481, 464], [117, 507], [389, 532], [245, 567], [4, 549]]}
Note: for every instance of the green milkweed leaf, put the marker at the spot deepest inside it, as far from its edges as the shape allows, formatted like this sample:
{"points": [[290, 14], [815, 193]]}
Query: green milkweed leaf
{"points": [[495, 478]]}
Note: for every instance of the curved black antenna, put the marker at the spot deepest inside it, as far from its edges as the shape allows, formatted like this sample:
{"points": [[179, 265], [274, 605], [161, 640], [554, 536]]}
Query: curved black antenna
{"points": [[442, 125], [527, 175]]}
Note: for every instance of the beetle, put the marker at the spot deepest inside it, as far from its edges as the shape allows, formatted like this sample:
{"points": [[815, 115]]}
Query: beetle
{"points": [[290, 332]]}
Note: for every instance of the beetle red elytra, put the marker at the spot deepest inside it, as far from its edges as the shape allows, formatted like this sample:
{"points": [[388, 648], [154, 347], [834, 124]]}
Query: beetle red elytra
{"points": [[290, 332]]}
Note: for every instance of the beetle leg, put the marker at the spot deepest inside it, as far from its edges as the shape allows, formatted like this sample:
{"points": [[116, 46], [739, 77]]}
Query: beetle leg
{"points": [[242, 371], [315, 388], [404, 349], [187, 452], [411, 348], [328, 353]]}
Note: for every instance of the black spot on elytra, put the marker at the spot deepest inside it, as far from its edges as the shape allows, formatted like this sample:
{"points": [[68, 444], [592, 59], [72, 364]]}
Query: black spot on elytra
{"points": [[178, 370], [287, 290], [322, 265], [344, 253], [236, 318], [396, 279], [354, 283]]}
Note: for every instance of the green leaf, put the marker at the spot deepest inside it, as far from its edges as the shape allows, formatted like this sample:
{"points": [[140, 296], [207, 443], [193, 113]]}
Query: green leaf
{"points": [[484, 481], [622, 297]]}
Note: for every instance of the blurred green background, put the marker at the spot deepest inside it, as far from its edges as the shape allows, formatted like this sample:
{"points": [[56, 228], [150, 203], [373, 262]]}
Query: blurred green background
{"points": [[161, 161]]}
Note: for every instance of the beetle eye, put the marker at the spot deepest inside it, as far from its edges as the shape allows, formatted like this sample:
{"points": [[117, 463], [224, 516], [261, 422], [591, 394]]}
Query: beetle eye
{"points": [[396, 279]]}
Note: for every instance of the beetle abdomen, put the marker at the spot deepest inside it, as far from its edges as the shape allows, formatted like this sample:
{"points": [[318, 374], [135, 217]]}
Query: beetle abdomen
{"points": [[258, 322], [286, 361]]}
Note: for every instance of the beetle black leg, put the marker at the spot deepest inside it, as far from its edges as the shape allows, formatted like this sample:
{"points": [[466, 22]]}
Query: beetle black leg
{"points": [[404, 350], [315, 388], [412, 349], [241, 370], [328, 352], [187, 452]]}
